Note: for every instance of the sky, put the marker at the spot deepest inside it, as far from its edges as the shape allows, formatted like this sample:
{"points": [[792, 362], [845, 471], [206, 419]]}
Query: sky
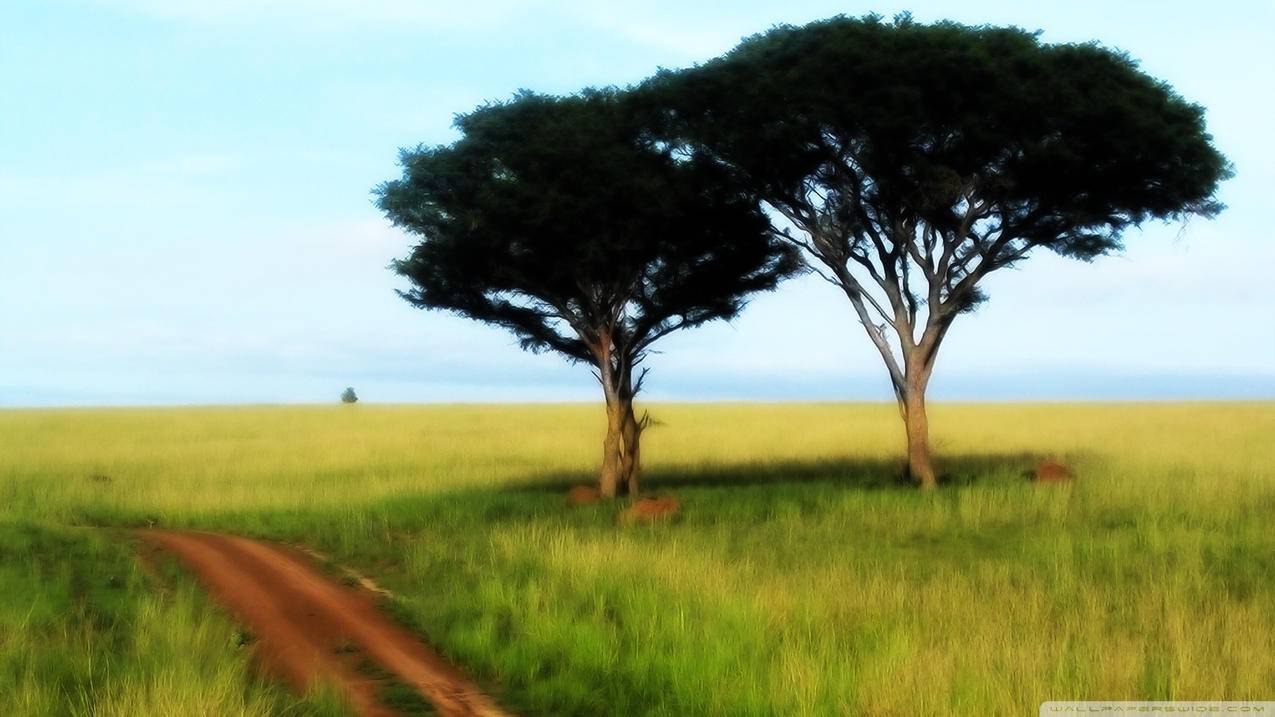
{"points": [[186, 217]]}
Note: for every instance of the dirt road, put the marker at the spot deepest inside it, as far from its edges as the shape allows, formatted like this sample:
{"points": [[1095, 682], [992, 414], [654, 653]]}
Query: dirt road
{"points": [[308, 626]]}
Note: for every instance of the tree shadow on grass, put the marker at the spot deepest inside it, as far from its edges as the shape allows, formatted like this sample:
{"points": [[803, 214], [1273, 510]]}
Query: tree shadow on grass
{"points": [[741, 493], [864, 473], [540, 496]]}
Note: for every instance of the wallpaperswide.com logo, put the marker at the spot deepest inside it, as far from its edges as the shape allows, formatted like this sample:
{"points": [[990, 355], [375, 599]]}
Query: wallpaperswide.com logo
{"points": [[1180, 707]]}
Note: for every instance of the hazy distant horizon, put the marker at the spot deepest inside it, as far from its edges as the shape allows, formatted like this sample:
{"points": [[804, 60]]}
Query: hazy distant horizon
{"points": [[1054, 388]]}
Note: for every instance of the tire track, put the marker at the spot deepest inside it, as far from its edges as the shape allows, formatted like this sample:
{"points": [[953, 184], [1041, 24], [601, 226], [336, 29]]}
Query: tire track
{"points": [[310, 627]]}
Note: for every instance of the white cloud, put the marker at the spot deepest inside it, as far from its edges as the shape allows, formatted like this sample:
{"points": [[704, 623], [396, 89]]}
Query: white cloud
{"points": [[142, 183], [690, 33], [199, 164], [333, 14], [688, 38]]}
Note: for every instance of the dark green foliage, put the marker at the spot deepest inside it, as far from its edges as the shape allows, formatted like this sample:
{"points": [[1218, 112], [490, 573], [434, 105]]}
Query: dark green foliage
{"points": [[909, 161], [349, 396], [855, 126], [559, 220]]}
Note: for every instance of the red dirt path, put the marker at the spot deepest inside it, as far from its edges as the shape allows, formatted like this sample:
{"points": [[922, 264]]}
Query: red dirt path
{"points": [[308, 626]]}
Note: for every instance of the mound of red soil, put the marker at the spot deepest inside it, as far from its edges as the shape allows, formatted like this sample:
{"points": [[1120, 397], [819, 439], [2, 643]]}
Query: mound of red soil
{"points": [[583, 495], [647, 510], [1052, 472]]}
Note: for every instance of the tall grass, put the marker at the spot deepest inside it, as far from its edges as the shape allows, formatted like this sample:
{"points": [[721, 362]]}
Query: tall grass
{"points": [[84, 630], [800, 578]]}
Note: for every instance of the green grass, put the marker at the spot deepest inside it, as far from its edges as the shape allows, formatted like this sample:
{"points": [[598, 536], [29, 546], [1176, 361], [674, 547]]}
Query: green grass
{"points": [[84, 630], [799, 579]]}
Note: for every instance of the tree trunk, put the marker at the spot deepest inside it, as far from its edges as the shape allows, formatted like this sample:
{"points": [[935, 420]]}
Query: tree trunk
{"points": [[912, 403], [609, 480], [631, 454], [621, 455]]}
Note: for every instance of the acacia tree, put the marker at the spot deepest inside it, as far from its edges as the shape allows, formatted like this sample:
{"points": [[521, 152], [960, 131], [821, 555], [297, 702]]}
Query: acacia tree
{"points": [[910, 161], [560, 220]]}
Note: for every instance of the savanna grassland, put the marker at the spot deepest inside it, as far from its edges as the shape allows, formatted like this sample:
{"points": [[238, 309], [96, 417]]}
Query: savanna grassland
{"points": [[801, 578]]}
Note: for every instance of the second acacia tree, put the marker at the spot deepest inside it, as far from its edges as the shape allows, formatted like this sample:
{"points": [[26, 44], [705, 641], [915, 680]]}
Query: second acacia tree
{"points": [[561, 221], [910, 161]]}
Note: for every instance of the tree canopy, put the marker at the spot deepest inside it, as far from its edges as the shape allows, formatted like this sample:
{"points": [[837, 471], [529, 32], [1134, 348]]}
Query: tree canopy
{"points": [[909, 161], [562, 220]]}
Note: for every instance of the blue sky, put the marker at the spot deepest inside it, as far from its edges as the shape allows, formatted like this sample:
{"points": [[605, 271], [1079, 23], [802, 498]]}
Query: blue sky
{"points": [[185, 213]]}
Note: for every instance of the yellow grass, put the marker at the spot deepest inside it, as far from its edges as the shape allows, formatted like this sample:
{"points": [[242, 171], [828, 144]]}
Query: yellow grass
{"points": [[799, 579]]}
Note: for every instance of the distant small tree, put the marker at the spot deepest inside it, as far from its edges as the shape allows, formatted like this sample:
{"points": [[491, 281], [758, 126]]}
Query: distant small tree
{"points": [[348, 396], [910, 161], [561, 221]]}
